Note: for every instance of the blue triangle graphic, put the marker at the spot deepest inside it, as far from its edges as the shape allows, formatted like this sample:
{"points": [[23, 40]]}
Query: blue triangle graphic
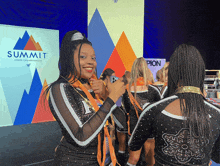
{"points": [[14, 80], [21, 116], [21, 43], [101, 41], [29, 102]]}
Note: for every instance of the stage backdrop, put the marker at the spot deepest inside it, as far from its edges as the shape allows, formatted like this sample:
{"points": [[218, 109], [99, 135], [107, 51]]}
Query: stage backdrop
{"points": [[28, 62], [116, 30], [29, 56], [154, 65], [168, 24]]}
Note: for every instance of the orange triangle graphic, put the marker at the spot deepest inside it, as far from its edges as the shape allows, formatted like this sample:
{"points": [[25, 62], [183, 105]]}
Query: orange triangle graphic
{"points": [[116, 64], [125, 52], [30, 45], [42, 112], [37, 45]]}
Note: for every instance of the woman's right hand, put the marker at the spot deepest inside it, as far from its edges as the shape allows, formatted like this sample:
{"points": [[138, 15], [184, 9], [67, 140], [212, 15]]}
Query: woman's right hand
{"points": [[116, 89]]}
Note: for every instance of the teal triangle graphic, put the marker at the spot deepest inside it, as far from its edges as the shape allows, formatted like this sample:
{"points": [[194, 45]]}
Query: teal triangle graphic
{"points": [[101, 41], [14, 79], [5, 117]]}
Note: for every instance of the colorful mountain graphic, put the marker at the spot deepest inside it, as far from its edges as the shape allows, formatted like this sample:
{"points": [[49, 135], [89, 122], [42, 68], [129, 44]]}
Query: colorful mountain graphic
{"points": [[122, 57], [119, 57], [29, 102], [42, 112], [116, 64], [125, 52], [101, 41], [27, 43]]}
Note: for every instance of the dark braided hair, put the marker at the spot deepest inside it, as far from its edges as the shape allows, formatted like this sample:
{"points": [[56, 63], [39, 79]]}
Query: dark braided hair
{"points": [[66, 63], [107, 72], [187, 68], [68, 47]]}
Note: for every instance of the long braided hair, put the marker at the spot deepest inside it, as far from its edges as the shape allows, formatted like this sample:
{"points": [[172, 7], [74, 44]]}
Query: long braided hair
{"points": [[187, 68], [66, 64]]}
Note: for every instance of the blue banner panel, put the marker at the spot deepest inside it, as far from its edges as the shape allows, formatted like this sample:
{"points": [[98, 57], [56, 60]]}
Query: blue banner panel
{"points": [[101, 41]]}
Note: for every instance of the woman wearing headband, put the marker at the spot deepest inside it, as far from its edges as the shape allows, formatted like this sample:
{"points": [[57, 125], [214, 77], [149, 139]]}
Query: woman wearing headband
{"points": [[186, 127], [81, 113]]}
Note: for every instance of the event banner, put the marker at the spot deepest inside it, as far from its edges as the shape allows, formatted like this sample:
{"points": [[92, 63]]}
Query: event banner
{"points": [[154, 65], [116, 30], [28, 63]]}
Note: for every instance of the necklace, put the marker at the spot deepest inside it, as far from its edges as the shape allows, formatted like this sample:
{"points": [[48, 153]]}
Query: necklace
{"points": [[85, 99], [189, 89]]}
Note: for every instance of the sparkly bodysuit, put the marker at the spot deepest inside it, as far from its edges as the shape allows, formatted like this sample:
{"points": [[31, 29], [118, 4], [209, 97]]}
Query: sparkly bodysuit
{"points": [[172, 139], [144, 98], [79, 123]]}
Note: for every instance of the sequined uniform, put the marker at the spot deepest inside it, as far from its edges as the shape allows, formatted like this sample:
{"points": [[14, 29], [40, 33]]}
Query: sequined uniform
{"points": [[172, 139], [79, 123], [144, 98]]}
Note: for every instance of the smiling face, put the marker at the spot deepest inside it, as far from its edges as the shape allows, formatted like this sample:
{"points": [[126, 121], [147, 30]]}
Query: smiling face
{"points": [[87, 61]]}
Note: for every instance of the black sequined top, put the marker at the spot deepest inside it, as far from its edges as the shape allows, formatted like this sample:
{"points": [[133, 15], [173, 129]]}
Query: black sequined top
{"points": [[164, 92], [172, 139], [80, 124], [144, 98]]}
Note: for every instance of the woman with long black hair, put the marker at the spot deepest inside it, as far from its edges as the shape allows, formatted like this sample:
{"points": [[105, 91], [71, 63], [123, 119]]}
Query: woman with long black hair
{"points": [[186, 127], [80, 112]]}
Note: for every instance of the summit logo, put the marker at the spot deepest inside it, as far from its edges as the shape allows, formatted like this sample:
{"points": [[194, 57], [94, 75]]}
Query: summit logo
{"points": [[27, 47], [27, 43]]}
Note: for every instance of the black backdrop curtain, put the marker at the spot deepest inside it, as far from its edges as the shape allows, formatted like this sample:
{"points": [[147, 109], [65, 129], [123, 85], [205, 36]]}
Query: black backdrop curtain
{"points": [[62, 15], [173, 22], [167, 23]]}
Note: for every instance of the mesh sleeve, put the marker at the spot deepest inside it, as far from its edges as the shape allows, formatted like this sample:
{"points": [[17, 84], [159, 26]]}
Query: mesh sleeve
{"points": [[82, 124]]}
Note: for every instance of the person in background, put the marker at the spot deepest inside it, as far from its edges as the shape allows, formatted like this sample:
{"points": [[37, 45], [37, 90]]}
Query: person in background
{"points": [[164, 90], [151, 80], [162, 78], [128, 75], [122, 132], [80, 112], [159, 77], [185, 126], [105, 76], [216, 83], [138, 95]]}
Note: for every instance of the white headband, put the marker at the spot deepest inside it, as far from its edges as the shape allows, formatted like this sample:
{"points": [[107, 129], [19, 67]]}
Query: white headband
{"points": [[77, 36]]}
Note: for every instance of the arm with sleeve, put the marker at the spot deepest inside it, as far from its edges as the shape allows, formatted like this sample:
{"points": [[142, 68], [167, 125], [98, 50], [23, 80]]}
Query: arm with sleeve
{"points": [[142, 130], [71, 115]]}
